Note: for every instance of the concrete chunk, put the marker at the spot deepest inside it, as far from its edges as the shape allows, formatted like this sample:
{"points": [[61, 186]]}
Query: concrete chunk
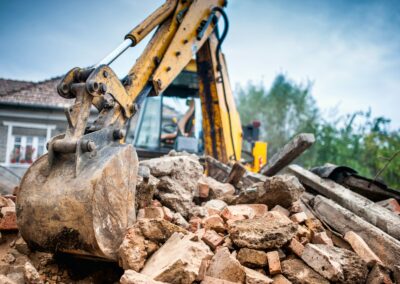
{"points": [[133, 277], [272, 231], [132, 252], [335, 264], [282, 210], [178, 260], [254, 277], [224, 266], [298, 272], [379, 275], [252, 258]]}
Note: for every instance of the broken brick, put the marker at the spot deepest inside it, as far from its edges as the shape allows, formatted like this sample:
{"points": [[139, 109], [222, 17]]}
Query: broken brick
{"points": [[214, 222], [274, 263], [202, 188], [212, 239], [195, 224], [296, 247], [299, 217], [9, 221], [322, 238], [361, 248]]}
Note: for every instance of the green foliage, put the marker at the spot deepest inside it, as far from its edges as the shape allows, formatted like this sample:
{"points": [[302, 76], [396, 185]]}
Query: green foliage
{"points": [[356, 140]]}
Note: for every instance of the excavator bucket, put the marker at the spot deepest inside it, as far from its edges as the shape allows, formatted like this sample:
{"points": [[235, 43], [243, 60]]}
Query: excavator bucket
{"points": [[84, 210], [80, 197]]}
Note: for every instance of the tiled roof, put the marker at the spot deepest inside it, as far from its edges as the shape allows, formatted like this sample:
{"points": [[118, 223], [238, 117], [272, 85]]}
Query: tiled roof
{"points": [[36, 94], [8, 86]]}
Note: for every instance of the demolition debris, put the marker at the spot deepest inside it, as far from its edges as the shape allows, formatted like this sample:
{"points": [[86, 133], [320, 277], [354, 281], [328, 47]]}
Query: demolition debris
{"points": [[226, 226]]}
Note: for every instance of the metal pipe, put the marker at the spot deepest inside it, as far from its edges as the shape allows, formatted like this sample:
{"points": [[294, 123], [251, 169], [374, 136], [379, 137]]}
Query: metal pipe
{"points": [[115, 53]]}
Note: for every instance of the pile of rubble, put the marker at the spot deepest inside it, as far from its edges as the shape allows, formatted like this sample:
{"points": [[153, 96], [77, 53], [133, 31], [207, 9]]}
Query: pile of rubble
{"points": [[225, 226]]}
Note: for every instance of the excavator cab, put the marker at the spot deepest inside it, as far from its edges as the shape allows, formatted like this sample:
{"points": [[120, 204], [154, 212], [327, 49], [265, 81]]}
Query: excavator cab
{"points": [[173, 121], [170, 121]]}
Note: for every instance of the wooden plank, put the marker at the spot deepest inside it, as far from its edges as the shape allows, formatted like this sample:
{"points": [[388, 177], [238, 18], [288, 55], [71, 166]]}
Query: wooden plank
{"points": [[220, 172], [342, 220], [361, 206], [236, 174], [288, 153]]}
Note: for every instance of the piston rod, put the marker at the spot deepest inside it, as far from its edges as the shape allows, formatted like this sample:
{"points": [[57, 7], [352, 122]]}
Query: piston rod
{"points": [[115, 53]]}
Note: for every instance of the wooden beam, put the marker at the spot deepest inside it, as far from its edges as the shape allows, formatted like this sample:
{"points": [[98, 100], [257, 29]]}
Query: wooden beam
{"points": [[236, 174], [342, 220], [288, 153], [361, 206], [220, 172]]}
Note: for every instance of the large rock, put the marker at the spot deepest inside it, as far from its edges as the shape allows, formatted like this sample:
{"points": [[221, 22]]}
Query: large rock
{"points": [[252, 258], [226, 267], [133, 277], [175, 196], [145, 188], [300, 273], [184, 169], [272, 231], [178, 260], [280, 190], [158, 230], [335, 264], [31, 275], [132, 252], [178, 177]]}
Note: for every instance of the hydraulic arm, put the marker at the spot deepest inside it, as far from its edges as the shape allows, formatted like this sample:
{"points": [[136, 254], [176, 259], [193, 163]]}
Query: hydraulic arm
{"points": [[79, 197]]}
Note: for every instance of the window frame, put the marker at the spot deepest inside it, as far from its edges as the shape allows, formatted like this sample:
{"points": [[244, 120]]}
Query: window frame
{"points": [[10, 139]]}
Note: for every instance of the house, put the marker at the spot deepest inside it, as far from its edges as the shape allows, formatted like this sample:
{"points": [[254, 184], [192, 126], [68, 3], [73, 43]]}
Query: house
{"points": [[30, 114]]}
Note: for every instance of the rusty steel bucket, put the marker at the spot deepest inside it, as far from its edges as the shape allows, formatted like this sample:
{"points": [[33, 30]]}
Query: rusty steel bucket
{"points": [[82, 202]]}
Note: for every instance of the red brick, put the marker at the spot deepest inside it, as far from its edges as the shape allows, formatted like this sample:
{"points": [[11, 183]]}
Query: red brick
{"points": [[274, 264], [238, 212], [322, 238], [195, 224], [215, 223], [9, 221], [296, 247], [212, 239], [203, 189]]}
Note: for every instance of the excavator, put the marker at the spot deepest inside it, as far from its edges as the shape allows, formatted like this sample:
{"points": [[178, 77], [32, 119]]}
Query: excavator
{"points": [[79, 197]]}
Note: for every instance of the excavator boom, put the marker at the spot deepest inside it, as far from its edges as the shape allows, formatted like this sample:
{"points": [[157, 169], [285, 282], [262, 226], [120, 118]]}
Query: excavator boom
{"points": [[79, 197]]}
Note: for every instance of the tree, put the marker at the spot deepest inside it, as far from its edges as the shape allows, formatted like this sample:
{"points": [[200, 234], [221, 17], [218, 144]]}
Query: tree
{"points": [[356, 140], [284, 110]]}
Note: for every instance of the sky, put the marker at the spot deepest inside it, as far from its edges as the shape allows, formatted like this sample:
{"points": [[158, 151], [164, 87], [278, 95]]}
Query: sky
{"points": [[348, 50]]}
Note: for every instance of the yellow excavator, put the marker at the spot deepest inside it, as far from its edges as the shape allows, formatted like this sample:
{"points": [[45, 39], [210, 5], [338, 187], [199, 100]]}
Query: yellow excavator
{"points": [[79, 197]]}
